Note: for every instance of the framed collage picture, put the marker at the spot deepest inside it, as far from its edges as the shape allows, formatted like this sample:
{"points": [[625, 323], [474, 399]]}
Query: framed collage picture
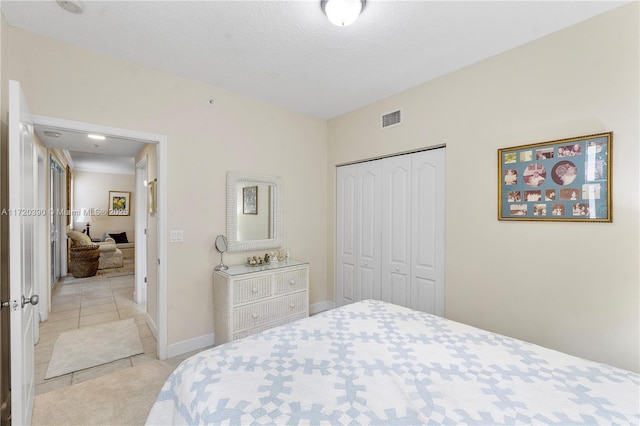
{"points": [[562, 180]]}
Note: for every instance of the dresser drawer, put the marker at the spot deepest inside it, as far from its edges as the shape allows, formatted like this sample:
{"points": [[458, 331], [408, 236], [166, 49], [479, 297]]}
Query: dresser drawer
{"points": [[263, 312], [263, 327], [290, 281], [251, 289]]}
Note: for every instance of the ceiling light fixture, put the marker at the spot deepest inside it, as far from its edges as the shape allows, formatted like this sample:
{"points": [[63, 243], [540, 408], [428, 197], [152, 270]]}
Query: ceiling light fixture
{"points": [[96, 137], [73, 6], [342, 12]]}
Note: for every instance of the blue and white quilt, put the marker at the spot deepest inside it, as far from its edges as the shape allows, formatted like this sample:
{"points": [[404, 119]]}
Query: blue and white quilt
{"points": [[376, 363]]}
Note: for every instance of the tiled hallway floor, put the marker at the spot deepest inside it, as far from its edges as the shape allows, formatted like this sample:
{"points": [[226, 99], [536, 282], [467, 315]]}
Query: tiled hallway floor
{"points": [[80, 302]]}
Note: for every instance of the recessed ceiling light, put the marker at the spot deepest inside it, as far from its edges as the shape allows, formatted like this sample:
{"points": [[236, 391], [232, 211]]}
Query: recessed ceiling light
{"points": [[73, 6], [51, 134], [96, 137]]}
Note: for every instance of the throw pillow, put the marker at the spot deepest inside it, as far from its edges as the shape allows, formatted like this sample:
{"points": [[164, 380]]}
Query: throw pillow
{"points": [[120, 238], [79, 239]]}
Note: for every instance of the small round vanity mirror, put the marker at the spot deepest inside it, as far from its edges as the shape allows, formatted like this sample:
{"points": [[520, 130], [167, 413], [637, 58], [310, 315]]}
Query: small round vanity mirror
{"points": [[221, 246], [221, 243]]}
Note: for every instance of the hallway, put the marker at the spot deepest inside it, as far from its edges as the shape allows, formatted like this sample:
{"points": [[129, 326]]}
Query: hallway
{"points": [[81, 302]]}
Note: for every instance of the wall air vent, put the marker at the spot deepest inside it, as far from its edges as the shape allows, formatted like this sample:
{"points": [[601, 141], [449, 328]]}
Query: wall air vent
{"points": [[392, 119]]}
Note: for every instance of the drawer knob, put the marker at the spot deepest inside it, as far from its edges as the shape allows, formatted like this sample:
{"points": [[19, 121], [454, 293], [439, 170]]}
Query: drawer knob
{"points": [[366, 263], [292, 305], [292, 282], [255, 290], [397, 269], [255, 316]]}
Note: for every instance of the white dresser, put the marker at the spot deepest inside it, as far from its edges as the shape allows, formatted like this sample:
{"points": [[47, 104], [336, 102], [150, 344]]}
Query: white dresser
{"points": [[249, 299]]}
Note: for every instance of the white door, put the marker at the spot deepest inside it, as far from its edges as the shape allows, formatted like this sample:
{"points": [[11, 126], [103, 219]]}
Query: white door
{"points": [[346, 256], [368, 213], [396, 230], [358, 235], [22, 161], [428, 231]]}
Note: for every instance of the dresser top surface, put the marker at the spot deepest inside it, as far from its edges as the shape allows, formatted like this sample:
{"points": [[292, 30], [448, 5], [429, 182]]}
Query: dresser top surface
{"points": [[236, 270]]}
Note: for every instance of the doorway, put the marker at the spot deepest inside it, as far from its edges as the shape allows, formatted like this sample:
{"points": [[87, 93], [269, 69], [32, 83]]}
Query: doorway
{"points": [[159, 324]]}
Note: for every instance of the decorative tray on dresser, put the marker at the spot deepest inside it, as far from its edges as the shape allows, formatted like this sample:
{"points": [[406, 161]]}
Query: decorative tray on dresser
{"points": [[249, 299]]}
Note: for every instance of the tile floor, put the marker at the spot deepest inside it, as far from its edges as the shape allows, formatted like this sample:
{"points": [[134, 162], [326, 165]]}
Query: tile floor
{"points": [[80, 302]]}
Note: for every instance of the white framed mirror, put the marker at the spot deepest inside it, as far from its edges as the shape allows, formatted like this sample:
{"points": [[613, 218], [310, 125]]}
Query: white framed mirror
{"points": [[254, 211]]}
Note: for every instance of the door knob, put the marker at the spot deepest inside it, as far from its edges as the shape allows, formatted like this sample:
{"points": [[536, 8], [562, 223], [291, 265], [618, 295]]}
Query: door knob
{"points": [[33, 300]]}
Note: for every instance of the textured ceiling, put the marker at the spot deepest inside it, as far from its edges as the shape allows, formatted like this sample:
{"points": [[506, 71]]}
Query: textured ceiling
{"points": [[287, 53]]}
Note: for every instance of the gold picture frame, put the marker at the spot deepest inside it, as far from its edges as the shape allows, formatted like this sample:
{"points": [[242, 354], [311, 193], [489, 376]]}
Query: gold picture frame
{"points": [[119, 203], [152, 202], [565, 180]]}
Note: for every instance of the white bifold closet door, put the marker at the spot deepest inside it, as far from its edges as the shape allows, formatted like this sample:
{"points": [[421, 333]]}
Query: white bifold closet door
{"points": [[390, 241], [358, 244]]}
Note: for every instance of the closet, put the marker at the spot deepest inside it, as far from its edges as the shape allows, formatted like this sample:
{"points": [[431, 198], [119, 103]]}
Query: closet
{"points": [[390, 231]]}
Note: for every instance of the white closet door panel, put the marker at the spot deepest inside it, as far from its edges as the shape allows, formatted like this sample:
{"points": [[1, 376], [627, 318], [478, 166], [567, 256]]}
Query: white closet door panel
{"points": [[428, 231], [396, 228], [398, 289], [368, 217], [369, 283], [346, 236], [369, 213], [425, 295], [347, 290]]}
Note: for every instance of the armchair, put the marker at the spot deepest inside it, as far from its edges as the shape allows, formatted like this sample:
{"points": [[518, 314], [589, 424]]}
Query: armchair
{"points": [[109, 256]]}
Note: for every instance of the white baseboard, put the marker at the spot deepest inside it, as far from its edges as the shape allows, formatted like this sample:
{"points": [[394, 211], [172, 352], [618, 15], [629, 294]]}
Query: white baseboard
{"points": [[152, 327], [325, 305], [194, 344]]}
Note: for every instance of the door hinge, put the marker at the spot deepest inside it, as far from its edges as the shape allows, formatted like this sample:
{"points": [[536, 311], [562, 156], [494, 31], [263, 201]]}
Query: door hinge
{"points": [[145, 231], [145, 279]]}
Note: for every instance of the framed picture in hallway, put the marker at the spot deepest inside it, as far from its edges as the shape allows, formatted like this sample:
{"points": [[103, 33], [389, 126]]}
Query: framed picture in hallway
{"points": [[151, 202], [563, 180], [119, 203]]}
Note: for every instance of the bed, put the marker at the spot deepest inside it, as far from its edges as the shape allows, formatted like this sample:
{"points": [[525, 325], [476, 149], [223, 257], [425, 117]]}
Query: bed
{"points": [[372, 362]]}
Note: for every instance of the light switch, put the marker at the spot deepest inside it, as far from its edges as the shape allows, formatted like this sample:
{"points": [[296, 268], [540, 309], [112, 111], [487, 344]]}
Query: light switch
{"points": [[177, 236]]}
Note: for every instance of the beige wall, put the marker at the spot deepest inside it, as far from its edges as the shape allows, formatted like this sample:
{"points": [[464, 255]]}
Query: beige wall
{"points": [[569, 286], [204, 142], [91, 191]]}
